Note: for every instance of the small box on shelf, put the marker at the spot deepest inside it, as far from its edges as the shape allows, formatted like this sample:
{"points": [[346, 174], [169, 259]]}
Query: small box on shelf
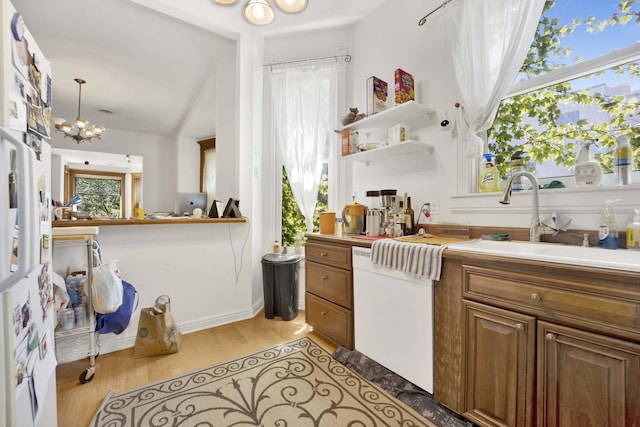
{"points": [[398, 133], [349, 141], [376, 95], [404, 87]]}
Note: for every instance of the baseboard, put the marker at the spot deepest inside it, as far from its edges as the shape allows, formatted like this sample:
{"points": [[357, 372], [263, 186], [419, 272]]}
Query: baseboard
{"points": [[108, 343]]}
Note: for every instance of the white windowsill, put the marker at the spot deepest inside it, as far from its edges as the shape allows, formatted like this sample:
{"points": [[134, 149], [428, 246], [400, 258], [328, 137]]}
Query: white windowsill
{"points": [[569, 200]]}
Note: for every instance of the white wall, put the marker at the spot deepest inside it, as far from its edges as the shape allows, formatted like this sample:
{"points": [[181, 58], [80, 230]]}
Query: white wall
{"points": [[390, 38], [159, 166], [204, 268]]}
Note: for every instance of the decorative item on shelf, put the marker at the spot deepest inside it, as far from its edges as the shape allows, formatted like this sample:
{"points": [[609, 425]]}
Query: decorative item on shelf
{"points": [[259, 12], [351, 117], [368, 146], [81, 132]]}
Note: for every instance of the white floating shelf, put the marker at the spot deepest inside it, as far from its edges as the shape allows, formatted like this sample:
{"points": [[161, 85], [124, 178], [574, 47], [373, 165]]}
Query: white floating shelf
{"points": [[405, 147], [408, 114]]}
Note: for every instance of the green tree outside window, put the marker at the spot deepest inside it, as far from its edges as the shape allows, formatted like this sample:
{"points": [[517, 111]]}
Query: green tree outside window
{"points": [[540, 123], [293, 223]]}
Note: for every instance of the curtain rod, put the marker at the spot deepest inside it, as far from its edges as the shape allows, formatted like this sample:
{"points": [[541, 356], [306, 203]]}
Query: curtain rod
{"points": [[347, 58], [423, 20]]}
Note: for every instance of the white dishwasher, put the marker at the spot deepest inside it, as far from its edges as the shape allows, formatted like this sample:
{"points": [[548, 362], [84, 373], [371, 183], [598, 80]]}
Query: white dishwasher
{"points": [[393, 319]]}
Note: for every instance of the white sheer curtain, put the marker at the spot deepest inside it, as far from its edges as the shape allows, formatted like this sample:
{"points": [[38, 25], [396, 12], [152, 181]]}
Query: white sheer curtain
{"points": [[209, 176], [490, 41], [304, 113]]}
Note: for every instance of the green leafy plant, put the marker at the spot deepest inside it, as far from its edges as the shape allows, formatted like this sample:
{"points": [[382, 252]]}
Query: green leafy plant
{"points": [[99, 195], [293, 223], [532, 123]]}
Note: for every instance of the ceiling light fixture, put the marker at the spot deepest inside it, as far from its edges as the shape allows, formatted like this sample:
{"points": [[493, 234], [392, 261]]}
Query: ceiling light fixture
{"points": [[81, 132], [291, 6], [260, 12]]}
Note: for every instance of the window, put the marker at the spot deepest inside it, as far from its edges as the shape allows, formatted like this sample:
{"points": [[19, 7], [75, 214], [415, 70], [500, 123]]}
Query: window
{"points": [[292, 219], [101, 192], [580, 83]]}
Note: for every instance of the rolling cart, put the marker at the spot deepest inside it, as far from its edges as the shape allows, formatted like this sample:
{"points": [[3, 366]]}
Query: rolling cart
{"points": [[66, 235]]}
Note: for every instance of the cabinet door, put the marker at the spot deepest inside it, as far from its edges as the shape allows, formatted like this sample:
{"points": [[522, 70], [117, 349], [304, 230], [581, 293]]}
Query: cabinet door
{"points": [[499, 366], [586, 379]]}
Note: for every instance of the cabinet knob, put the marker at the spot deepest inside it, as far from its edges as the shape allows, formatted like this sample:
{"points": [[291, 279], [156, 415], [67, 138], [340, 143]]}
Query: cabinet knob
{"points": [[324, 254], [323, 313], [536, 297], [551, 337], [519, 327], [323, 277]]}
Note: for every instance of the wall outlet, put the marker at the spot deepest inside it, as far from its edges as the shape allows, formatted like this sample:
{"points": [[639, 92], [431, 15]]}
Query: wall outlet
{"points": [[434, 206]]}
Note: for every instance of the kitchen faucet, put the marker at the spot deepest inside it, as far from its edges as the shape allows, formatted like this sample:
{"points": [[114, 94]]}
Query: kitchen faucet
{"points": [[536, 229]]}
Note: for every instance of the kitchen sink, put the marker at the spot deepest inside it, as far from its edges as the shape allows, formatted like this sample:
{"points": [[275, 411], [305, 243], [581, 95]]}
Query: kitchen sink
{"points": [[621, 259]]}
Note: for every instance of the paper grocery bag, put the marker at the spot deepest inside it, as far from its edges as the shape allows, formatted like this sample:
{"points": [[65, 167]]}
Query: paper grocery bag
{"points": [[157, 331]]}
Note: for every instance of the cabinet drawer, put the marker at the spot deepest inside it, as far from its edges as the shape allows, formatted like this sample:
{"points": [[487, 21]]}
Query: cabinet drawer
{"points": [[330, 320], [553, 298], [336, 256], [330, 283]]}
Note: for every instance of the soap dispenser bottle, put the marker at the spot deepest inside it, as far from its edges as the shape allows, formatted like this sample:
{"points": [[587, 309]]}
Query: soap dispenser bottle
{"points": [[633, 232], [608, 231], [587, 171]]}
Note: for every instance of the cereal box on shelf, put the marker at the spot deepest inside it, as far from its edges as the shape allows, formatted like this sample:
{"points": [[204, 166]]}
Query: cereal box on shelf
{"points": [[349, 140], [376, 95], [404, 89]]}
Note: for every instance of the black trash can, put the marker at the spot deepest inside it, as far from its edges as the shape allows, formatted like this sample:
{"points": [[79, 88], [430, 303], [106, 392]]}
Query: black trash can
{"points": [[280, 283]]}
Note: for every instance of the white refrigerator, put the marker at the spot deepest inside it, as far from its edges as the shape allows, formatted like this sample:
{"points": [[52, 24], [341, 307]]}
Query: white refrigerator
{"points": [[27, 322]]}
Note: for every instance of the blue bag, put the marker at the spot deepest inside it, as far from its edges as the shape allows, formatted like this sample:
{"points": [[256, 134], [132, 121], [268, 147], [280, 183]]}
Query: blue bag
{"points": [[118, 321]]}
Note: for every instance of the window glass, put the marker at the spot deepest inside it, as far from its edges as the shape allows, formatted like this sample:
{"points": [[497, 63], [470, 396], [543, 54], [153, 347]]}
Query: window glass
{"points": [[293, 223], [580, 84], [100, 194]]}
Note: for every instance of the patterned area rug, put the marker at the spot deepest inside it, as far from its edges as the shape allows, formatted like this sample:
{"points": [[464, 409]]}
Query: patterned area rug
{"points": [[295, 384], [403, 390]]}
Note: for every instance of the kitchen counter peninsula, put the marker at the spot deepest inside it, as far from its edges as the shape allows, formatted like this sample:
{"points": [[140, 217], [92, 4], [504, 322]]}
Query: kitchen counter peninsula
{"points": [[204, 265], [136, 221]]}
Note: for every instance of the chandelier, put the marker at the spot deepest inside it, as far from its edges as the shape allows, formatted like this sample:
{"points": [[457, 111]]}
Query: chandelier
{"points": [[259, 12], [81, 131]]}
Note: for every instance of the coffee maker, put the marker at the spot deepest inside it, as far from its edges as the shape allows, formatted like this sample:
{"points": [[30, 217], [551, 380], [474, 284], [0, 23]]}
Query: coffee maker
{"points": [[388, 200], [375, 215]]}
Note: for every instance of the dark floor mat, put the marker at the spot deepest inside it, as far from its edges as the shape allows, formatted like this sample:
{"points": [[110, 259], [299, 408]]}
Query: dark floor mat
{"points": [[403, 390]]}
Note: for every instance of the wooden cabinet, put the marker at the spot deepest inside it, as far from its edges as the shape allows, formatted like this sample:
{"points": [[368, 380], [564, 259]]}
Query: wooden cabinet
{"points": [[586, 379], [329, 290], [500, 368], [538, 345]]}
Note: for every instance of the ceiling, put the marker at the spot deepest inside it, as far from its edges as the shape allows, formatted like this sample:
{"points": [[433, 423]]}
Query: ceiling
{"points": [[151, 62]]}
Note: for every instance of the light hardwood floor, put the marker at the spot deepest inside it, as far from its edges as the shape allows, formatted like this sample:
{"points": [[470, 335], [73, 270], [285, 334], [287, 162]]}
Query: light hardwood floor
{"points": [[118, 371]]}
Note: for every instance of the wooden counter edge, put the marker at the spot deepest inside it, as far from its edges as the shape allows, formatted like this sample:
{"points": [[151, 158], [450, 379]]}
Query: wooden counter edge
{"points": [[133, 221]]}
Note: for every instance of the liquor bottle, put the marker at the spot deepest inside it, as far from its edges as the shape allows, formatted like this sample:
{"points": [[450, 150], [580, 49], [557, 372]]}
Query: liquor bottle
{"points": [[409, 217]]}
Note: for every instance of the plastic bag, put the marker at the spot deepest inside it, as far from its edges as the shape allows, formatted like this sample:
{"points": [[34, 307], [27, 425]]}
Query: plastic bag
{"points": [[118, 321], [106, 287]]}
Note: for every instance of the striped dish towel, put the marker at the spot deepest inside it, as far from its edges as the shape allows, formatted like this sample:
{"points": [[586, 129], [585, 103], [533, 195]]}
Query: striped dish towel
{"points": [[412, 258]]}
